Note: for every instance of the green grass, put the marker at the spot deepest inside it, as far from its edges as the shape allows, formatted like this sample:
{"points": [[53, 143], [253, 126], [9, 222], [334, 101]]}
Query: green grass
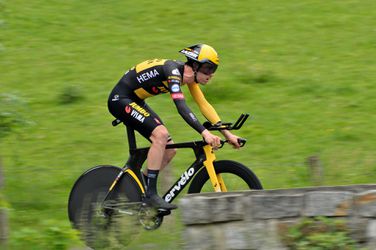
{"points": [[305, 70]]}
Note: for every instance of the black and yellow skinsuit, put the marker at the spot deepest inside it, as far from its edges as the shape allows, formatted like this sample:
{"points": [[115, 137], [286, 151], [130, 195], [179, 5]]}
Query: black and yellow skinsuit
{"points": [[150, 78]]}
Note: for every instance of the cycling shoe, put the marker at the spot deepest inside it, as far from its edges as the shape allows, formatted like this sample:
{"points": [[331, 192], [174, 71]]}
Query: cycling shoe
{"points": [[158, 203]]}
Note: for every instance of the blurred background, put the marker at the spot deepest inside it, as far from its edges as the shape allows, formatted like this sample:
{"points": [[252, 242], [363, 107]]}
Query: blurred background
{"points": [[304, 70]]}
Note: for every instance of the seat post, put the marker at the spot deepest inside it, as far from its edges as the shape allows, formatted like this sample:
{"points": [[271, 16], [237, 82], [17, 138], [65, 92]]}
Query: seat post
{"points": [[131, 138]]}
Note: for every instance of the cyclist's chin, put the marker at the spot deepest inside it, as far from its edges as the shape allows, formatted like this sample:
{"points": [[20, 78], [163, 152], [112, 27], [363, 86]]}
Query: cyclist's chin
{"points": [[202, 78], [204, 81]]}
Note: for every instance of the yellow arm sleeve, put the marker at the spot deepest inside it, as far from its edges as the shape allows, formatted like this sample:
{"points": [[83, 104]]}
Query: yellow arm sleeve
{"points": [[205, 107]]}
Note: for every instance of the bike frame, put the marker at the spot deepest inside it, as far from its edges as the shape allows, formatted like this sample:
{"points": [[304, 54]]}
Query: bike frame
{"points": [[204, 159]]}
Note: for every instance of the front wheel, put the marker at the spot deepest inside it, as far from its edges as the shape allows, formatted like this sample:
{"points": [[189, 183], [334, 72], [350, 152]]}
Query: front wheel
{"points": [[235, 175]]}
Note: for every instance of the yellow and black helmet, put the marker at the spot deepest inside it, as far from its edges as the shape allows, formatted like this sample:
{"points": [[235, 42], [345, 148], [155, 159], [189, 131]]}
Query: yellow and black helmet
{"points": [[202, 54]]}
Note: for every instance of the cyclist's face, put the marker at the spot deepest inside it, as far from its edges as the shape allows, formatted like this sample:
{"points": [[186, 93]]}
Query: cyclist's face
{"points": [[206, 72], [203, 78]]}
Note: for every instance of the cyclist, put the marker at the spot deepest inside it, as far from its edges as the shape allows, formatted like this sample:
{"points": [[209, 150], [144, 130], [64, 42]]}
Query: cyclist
{"points": [[127, 103]]}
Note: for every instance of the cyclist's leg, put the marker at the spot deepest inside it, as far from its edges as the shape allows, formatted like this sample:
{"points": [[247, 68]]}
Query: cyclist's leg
{"points": [[156, 155], [140, 117], [157, 159], [147, 123], [158, 147], [169, 153]]}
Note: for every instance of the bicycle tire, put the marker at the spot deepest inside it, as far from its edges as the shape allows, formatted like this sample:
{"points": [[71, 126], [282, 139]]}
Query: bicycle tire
{"points": [[85, 205], [235, 170]]}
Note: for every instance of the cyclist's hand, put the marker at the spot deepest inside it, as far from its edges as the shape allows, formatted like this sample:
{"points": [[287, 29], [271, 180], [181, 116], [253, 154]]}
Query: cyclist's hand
{"points": [[212, 140], [232, 139]]}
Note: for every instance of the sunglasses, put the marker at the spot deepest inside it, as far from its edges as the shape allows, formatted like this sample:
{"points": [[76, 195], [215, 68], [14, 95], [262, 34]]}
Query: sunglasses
{"points": [[208, 68]]}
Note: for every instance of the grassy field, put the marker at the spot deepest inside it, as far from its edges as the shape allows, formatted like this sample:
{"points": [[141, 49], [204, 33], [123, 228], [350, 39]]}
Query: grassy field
{"points": [[304, 70]]}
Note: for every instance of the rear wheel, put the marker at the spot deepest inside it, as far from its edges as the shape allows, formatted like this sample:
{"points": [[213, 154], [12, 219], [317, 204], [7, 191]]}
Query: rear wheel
{"points": [[235, 175], [105, 222]]}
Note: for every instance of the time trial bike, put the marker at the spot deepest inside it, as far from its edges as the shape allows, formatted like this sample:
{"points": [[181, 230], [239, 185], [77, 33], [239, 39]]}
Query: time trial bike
{"points": [[107, 198]]}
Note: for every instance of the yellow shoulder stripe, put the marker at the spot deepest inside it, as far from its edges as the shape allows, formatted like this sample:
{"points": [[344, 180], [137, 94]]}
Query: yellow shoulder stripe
{"points": [[149, 64]]}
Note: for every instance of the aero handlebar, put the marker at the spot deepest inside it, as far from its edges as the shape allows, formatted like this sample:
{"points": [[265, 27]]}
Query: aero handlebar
{"points": [[228, 126]]}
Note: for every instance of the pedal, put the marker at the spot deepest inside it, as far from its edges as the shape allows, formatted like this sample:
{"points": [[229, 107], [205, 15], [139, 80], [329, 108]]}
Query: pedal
{"points": [[163, 212], [159, 212]]}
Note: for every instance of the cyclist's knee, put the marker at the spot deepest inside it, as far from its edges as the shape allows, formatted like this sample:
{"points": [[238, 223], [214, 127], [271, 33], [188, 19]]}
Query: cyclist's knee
{"points": [[172, 151], [159, 135]]}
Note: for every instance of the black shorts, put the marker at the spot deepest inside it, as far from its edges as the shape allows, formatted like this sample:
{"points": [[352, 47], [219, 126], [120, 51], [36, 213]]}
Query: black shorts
{"points": [[136, 114]]}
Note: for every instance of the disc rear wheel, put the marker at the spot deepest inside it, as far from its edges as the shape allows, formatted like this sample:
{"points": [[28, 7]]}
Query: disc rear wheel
{"points": [[105, 218]]}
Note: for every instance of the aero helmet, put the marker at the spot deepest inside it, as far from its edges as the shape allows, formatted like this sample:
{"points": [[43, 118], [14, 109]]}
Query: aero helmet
{"points": [[204, 55]]}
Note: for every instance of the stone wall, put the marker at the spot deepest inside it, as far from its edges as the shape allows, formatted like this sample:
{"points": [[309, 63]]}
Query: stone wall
{"points": [[255, 219]]}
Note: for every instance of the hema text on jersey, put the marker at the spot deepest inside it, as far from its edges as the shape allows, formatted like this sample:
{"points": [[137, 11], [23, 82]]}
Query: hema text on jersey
{"points": [[147, 75]]}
